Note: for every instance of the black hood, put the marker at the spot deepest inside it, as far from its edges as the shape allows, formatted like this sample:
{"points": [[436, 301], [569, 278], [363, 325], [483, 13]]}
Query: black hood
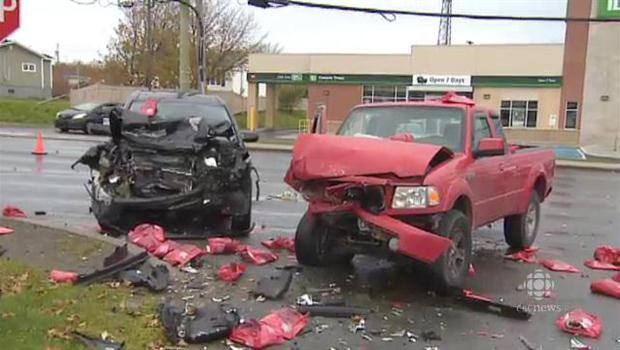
{"points": [[68, 113], [183, 134]]}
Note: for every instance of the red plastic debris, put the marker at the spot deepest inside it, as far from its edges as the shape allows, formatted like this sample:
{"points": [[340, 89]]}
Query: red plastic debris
{"points": [[616, 277], [59, 276], [182, 254], [14, 212], [258, 256], [558, 265], [580, 322], [472, 270], [527, 255], [224, 245], [471, 295], [280, 243], [5, 230], [275, 328], [231, 272], [164, 248], [597, 265], [607, 286], [607, 254], [147, 236], [287, 321]]}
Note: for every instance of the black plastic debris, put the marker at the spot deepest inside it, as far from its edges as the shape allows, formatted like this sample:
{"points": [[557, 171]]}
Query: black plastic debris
{"points": [[430, 336], [201, 325], [373, 273], [97, 343], [156, 278], [40, 212], [112, 270], [274, 285], [332, 310]]}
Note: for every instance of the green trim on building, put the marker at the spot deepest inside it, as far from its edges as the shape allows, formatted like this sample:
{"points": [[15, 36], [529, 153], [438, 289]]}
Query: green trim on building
{"points": [[516, 81], [401, 80], [608, 9]]}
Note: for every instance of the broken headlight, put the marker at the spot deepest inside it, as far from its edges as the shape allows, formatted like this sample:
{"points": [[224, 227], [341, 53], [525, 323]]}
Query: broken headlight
{"points": [[79, 116], [407, 197]]}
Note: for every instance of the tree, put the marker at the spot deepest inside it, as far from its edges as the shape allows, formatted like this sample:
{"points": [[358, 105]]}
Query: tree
{"points": [[230, 36]]}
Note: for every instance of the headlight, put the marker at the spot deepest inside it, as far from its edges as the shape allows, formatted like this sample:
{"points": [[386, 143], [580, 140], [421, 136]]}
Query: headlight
{"points": [[406, 197], [79, 116], [57, 115]]}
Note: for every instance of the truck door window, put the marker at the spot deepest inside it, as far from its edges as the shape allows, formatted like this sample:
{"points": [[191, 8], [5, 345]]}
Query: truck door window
{"points": [[499, 129], [481, 128]]}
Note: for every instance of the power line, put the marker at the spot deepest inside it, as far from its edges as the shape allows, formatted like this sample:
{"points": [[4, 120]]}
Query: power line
{"points": [[282, 3]]}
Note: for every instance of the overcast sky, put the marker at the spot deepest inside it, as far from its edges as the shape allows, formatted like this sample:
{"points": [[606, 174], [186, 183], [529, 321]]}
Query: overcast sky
{"points": [[83, 31]]}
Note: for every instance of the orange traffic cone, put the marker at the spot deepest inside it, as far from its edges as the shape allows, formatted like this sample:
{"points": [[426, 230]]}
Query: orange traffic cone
{"points": [[39, 147]]}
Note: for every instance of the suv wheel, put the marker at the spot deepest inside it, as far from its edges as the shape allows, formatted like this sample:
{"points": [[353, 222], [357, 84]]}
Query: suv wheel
{"points": [[520, 230], [452, 267], [313, 244]]}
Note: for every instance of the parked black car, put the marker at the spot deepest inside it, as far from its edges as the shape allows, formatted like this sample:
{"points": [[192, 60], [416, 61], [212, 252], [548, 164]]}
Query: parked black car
{"points": [[174, 159], [91, 118]]}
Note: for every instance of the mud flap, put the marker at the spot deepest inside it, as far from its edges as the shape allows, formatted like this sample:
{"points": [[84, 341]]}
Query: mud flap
{"points": [[208, 324], [156, 278]]}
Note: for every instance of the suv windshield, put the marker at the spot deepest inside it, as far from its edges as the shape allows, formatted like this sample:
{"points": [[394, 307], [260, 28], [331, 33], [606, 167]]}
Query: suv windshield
{"points": [[170, 110], [435, 125]]}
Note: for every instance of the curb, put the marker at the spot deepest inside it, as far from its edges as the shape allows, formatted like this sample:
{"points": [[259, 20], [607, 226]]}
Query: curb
{"points": [[270, 147]]}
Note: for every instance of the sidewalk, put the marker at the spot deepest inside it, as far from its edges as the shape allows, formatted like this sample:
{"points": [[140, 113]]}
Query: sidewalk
{"points": [[281, 141]]}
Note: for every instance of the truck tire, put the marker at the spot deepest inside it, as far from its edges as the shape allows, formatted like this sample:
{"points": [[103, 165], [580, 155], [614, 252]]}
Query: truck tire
{"points": [[451, 268], [313, 246], [520, 230]]}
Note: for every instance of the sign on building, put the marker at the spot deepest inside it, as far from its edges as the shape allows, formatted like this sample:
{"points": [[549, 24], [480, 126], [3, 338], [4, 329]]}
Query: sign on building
{"points": [[609, 8], [441, 80], [9, 17]]}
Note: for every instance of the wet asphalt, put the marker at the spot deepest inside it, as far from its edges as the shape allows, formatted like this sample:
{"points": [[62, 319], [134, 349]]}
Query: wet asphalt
{"points": [[582, 213]]}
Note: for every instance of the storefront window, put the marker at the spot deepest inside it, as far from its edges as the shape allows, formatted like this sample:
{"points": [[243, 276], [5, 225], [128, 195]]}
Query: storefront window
{"points": [[384, 93], [519, 113], [571, 115]]}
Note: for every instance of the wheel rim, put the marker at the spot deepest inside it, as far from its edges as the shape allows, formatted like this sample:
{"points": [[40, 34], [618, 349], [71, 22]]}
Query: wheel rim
{"points": [[531, 220], [456, 254]]}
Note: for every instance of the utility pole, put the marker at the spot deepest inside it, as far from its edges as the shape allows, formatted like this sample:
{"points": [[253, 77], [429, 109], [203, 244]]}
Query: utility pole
{"points": [[184, 70], [201, 48], [149, 43], [444, 37]]}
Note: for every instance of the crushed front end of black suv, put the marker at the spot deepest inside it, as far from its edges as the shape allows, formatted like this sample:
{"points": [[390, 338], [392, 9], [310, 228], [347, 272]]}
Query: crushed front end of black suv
{"points": [[183, 173]]}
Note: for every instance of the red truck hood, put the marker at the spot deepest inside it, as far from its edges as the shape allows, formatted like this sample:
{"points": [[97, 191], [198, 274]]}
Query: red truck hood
{"points": [[331, 156]]}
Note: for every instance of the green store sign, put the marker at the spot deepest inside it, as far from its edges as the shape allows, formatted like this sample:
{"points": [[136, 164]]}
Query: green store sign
{"points": [[401, 80], [609, 8]]}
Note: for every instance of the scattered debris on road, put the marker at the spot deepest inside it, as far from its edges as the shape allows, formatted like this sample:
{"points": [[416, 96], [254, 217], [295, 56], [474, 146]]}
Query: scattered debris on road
{"points": [[274, 285], [605, 258], [338, 311], [231, 272], [280, 243], [258, 256], [59, 276], [223, 245], [95, 343], [607, 286], [6, 230], [577, 344], [13, 212], [580, 322], [197, 325], [527, 255], [486, 304], [558, 265], [528, 345], [275, 328]]}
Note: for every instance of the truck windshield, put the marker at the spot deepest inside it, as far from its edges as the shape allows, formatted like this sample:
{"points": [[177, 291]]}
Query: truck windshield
{"points": [[441, 126], [171, 110]]}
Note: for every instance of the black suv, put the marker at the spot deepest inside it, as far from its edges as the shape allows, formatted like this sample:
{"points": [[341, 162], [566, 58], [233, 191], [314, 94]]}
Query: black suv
{"points": [[174, 159]]}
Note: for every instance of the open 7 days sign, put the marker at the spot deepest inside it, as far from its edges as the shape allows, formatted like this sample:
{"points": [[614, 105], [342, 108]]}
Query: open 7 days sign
{"points": [[441, 80], [9, 17]]}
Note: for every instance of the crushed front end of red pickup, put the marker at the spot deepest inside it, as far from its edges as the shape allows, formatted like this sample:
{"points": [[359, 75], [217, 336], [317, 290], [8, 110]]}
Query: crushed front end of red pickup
{"points": [[350, 184]]}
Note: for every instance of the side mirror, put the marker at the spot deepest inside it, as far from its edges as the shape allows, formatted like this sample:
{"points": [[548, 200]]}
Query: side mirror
{"points": [[249, 136], [489, 147]]}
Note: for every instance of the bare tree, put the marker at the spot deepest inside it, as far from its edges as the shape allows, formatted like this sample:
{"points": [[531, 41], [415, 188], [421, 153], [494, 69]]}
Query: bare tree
{"points": [[231, 34]]}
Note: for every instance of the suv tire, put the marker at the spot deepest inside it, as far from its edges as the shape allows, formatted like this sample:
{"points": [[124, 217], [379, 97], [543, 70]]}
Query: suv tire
{"points": [[313, 243]]}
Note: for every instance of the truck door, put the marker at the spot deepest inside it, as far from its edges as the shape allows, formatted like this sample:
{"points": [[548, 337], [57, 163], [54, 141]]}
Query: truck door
{"points": [[484, 175]]}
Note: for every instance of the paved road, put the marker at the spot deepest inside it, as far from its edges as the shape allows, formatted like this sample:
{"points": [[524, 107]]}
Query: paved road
{"points": [[582, 212]]}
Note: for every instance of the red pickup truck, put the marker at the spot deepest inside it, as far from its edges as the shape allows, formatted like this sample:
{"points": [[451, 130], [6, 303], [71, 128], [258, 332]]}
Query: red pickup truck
{"points": [[416, 179]]}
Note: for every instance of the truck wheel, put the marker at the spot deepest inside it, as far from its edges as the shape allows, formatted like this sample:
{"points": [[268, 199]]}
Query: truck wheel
{"points": [[313, 246], [451, 268], [520, 230]]}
